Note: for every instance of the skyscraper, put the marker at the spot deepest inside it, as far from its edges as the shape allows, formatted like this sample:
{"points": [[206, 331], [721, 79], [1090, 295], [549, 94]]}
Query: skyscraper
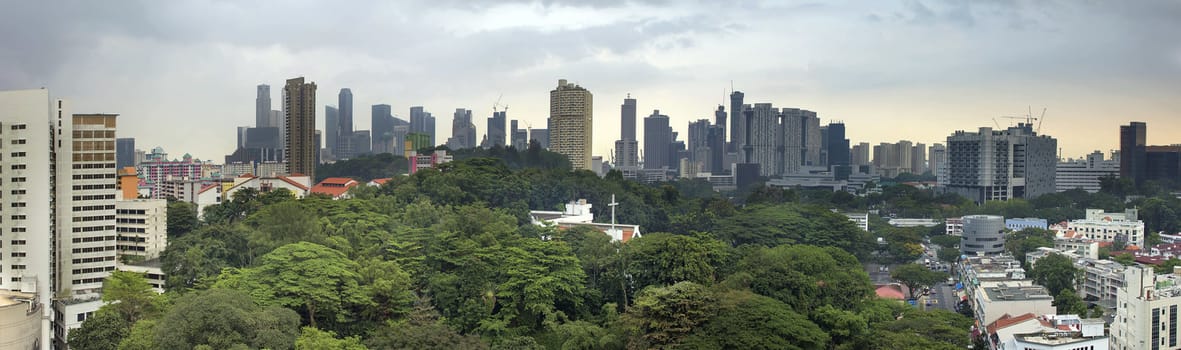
{"points": [[999, 165], [344, 131], [737, 131], [1133, 151], [541, 136], [937, 162], [700, 151], [301, 127], [422, 122], [838, 145], [496, 129], [332, 128], [918, 159], [658, 139], [262, 107], [124, 152], [519, 138], [766, 138], [627, 148], [571, 123], [859, 154], [382, 123], [463, 132], [718, 160]]}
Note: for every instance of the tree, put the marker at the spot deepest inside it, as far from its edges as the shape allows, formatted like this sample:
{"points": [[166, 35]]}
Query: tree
{"points": [[1055, 272], [749, 321], [663, 316], [129, 295], [948, 254], [422, 329], [182, 218], [141, 337], [805, 277], [665, 259], [1027, 240], [103, 331], [224, 319], [915, 276], [315, 339], [773, 225], [1069, 303], [316, 279]]}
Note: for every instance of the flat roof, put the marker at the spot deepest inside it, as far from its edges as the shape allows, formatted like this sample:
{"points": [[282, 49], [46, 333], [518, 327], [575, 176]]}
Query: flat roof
{"points": [[1016, 293]]}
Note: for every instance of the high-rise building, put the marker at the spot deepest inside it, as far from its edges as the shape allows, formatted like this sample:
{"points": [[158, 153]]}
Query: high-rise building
{"points": [[718, 164], [999, 165], [345, 141], [277, 121], [262, 107], [892, 159], [658, 139], [124, 152], [495, 135], [541, 136], [859, 154], [627, 148], [937, 162], [382, 124], [361, 142], [463, 132], [519, 138], [422, 122], [766, 137], [918, 159], [242, 132], [1146, 310], [737, 123], [571, 123], [142, 226], [836, 145], [1133, 144], [700, 151], [331, 128], [301, 127]]}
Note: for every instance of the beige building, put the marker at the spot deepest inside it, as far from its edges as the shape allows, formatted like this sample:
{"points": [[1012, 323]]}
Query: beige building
{"points": [[1004, 299], [142, 225], [571, 123], [1146, 310], [300, 103], [20, 321]]}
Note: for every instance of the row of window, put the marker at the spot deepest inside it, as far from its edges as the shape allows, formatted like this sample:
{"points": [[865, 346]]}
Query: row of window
{"points": [[94, 187], [93, 239], [95, 166], [93, 228], [94, 207], [93, 270], [93, 260], [93, 218], [92, 249], [94, 197]]}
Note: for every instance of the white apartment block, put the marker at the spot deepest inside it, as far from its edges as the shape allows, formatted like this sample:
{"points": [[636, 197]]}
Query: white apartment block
{"points": [[152, 271], [993, 302], [142, 226], [859, 219], [954, 226], [1146, 311], [1098, 279], [1084, 173], [1105, 227]]}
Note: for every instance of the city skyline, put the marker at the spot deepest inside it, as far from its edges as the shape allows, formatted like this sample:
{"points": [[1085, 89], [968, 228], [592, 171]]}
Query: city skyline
{"points": [[200, 79]]}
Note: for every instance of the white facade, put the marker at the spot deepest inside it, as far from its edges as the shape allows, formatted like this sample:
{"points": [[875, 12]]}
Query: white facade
{"points": [[860, 219], [142, 225], [954, 226], [1085, 173], [1147, 311], [995, 301], [298, 185], [151, 271], [20, 321], [1105, 227]]}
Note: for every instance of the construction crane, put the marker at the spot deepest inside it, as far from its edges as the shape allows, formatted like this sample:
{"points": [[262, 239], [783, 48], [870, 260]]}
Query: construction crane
{"points": [[496, 105]]}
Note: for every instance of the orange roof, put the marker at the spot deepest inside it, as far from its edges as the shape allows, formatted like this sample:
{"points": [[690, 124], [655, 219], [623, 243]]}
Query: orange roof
{"points": [[890, 291], [334, 186], [380, 181], [249, 175], [208, 187], [293, 183], [1007, 320]]}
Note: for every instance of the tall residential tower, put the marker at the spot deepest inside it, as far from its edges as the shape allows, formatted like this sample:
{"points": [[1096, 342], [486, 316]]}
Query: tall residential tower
{"points": [[571, 123], [300, 103]]}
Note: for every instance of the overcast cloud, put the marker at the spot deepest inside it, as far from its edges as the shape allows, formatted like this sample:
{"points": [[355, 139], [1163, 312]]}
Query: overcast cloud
{"points": [[182, 73]]}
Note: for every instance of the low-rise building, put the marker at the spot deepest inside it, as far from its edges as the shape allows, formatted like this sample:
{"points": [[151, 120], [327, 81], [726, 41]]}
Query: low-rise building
{"points": [[903, 222], [1098, 279], [1105, 227], [954, 226], [983, 271], [297, 184], [1080, 246], [335, 187], [20, 321], [1018, 224], [578, 213], [427, 161], [860, 219], [142, 228], [1085, 173], [152, 271], [993, 302], [1050, 332]]}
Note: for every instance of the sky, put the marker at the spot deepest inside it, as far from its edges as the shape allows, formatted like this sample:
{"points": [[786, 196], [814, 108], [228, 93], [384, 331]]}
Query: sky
{"points": [[182, 74]]}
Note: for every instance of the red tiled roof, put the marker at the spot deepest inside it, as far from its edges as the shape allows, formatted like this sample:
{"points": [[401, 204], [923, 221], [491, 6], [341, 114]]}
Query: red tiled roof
{"points": [[890, 291], [249, 175], [293, 183], [1008, 320], [380, 181], [207, 187], [334, 186]]}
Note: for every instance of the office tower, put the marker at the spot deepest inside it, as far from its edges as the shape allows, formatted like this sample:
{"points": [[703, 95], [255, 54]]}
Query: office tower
{"points": [[541, 136], [658, 139], [423, 123], [262, 107], [571, 123], [382, 129], [699, 149], [331, 128], [837, 149], [999, 165], [918, 159], [495, 135], [627, 148], [301, 127], [1084, 173], [859, 155], [124, 152], [277, 121], [344, 125], [416, 142], [810, 128], [519, 137], [361, 142], [737, 123], [242, 132], [463, 132], [319, 148], [937, 162], [1133, 155], [718, 164]]}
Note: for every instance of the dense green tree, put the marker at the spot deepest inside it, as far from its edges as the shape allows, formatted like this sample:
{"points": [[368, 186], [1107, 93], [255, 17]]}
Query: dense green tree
{"points": [[746, 320], [1055, 272], [364, 167], [203, 253], [663, 316], [847, 329], [182, 218], [665, 259], [129, 295], [1027, 240], [915, 329], [915, 276], [141, 337], [422, 329], [1069, 303], [948, 254], [805, 277], [793, 224], [946, 241], [318, 280], [224, 319], [315, 339], [103, 331]]}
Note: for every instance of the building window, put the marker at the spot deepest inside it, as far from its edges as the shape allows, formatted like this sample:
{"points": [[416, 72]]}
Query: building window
{"points": [[18, 141], [19, 126], [18, 167], [18, 154]]}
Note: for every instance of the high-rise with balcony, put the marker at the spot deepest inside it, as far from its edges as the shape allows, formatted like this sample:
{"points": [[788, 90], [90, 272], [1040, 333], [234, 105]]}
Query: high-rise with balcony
{"points": [[300, 103], [571, 123]]}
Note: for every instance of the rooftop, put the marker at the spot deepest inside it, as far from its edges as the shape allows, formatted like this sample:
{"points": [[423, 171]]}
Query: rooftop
{"points": [[8, 297], [1004, 292]]}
